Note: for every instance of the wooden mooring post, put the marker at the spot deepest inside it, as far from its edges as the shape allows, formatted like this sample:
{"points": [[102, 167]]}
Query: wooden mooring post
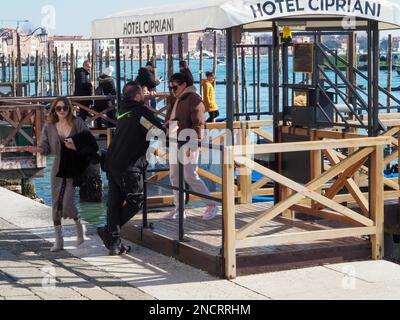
{"points": [[170, 57], [132, 66], [49, 60], [215, 53], [29, 75], [201, 67], [180, 46], [140, 52], [37, 73]]}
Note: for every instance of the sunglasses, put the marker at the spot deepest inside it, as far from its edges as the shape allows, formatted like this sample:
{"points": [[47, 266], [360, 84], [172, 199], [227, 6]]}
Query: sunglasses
{"points": [[62, 108], [173, 88]]}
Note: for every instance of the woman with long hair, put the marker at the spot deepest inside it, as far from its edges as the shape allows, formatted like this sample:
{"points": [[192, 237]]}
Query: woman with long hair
{"points": [[61, 125]]}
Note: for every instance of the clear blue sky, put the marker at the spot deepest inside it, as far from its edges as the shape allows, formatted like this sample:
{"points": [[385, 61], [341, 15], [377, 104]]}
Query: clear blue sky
{"points": [[72, 17]]}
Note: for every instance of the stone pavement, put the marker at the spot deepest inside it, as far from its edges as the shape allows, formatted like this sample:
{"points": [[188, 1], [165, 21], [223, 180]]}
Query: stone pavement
{"points": [[28, 270], [88, 273]]}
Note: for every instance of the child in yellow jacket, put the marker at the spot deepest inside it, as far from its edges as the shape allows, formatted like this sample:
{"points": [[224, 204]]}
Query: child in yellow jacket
{"points": [[209, 96]]}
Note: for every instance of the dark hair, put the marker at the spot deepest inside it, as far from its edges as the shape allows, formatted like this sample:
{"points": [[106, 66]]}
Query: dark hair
{"points": [[179, 78], [209, 74], [53, 117], [183, 64], [149, 63], [189, 77], [131, 89]]}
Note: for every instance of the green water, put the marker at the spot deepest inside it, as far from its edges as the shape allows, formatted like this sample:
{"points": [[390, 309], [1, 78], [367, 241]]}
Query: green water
{"points": [[93, 213]]}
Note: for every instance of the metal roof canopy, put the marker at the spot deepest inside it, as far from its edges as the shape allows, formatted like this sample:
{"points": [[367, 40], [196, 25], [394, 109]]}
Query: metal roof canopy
{"points": [[251, 14]]}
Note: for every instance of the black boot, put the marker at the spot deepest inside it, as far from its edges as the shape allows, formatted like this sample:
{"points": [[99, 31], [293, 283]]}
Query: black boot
{"points": [[119, 249]]}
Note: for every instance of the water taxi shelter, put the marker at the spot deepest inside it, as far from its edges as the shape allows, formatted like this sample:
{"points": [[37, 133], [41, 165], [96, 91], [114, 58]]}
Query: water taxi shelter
{"points": [[331, 141]]}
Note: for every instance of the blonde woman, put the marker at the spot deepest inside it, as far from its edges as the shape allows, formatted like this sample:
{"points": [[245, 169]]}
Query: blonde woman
{"points": [[61, 125]]}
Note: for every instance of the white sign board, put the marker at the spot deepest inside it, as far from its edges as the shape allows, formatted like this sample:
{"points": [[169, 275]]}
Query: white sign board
{"points": [[191, 17]]}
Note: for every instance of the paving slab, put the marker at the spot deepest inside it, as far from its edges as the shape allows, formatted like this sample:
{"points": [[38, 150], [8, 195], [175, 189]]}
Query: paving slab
{"points": [[144, 274]]}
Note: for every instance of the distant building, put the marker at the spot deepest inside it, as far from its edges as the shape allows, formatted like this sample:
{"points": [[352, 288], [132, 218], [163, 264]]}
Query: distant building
{"points": [[105, 45], [28, 45], [396, 44], [63, 44], [128, 44], [190, 42]]}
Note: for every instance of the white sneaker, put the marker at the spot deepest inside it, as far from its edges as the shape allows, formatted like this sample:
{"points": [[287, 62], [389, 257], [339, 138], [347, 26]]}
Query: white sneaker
{"points": [[174, 215], [210, 213]]}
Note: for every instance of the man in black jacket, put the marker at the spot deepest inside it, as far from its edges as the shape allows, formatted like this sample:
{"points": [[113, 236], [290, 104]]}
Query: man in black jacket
{"points": [[106, 87], [83, 86], [124, 163], [146, 78]]}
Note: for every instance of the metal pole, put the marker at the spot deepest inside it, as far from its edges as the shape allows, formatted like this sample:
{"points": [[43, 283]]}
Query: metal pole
{"points": [[244, 84], [276, 102], [390, 69], [181, 192], [229, 81], [144, 214], [369, 80], [375, 79], [270, 81], [118, 72], [254, 83], [285, 75]]}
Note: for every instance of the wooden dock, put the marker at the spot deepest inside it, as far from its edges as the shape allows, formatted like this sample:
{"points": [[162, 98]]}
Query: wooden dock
{"points": [[202, 247]]}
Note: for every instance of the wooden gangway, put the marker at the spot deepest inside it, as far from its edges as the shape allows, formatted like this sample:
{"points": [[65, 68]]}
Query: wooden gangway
{"points": [[345, 199], [23, 119]]}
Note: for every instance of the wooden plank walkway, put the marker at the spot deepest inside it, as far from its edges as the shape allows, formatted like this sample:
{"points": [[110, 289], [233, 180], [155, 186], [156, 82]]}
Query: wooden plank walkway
{"points": [[203, 242]]}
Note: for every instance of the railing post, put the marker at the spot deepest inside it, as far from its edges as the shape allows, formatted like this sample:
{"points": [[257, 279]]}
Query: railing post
{"points": [[228, 211], [377, 202], [316, 164], [284, 192], [244, 174]]}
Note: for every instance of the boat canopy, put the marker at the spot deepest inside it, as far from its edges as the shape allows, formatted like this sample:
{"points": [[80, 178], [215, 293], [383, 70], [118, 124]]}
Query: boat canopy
{"points": [[250, 14]]}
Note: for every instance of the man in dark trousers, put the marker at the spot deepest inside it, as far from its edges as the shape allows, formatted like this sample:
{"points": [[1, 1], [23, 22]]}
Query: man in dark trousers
{"points": [[83, 86], [125, 162]]}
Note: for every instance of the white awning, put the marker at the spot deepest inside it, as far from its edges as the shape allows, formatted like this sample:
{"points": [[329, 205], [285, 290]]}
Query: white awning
{"points": [[222, 14]]}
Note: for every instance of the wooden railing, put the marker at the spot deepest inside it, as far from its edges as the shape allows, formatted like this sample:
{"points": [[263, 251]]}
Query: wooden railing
{"points": [[308, 197], [26, 122], [244, 187]]}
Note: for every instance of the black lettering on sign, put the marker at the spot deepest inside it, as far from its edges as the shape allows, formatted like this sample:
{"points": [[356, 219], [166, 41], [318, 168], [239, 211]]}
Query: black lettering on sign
{"points": [[370, 8], [329, 4], [148, 27], [313, 4], [269, 8], [279, 3], [341, 5], [290, 6], [358, 7], [298, 7], [256, 10], [261, 9]]}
